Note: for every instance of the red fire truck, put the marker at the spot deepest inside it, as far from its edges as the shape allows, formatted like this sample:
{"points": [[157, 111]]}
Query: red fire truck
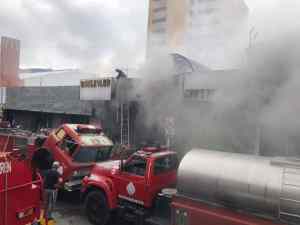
{"points": [[20, 191], [130, 187], [77, 147], [213, 188]]}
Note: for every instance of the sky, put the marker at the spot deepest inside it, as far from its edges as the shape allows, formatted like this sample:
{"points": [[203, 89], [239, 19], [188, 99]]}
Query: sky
{"points": [[84, 33], [75, 33]]}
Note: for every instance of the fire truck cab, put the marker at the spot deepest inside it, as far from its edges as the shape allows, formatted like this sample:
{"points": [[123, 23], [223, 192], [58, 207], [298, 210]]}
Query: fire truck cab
{"points": [[20, 191], [11, 139], [77, 147], [129, 187]]}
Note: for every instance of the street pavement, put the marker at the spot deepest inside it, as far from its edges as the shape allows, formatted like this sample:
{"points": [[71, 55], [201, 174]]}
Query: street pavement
{"points": [[69, 211]]}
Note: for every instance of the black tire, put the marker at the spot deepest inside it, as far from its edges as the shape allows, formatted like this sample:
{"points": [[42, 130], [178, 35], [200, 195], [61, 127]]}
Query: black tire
{"points": [[96, 208]]}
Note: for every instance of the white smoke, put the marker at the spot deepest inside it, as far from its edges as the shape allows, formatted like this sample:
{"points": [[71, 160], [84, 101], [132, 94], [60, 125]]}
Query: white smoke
{"points": [[260, 99]]}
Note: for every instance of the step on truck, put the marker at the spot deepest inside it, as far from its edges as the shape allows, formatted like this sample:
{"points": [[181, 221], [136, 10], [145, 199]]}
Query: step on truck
{"points": [[21, 191], [213, 188], [77, 147]]}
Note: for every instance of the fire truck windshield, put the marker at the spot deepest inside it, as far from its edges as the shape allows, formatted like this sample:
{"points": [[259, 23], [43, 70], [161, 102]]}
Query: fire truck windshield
{"points": [[89, 139], [88, 154]]}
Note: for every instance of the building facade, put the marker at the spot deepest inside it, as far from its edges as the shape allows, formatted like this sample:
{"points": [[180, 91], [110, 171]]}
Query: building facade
{"points": [[200, 29]]}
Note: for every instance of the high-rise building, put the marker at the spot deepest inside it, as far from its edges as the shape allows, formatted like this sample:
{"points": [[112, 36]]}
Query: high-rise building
{"points": [[9, 62], [196, 28]]}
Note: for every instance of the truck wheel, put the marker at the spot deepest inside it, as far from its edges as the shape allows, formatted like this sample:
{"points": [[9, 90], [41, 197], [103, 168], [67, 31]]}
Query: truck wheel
{"points": [[96, 208]]}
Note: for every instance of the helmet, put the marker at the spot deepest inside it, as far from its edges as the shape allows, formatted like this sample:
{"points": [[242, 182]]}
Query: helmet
{"points": [[55, 164]]}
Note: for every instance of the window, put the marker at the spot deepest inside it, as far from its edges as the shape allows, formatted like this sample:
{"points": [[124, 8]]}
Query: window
{"points": [[193, 93], [21, 143], [87, 154], [200, 94], [159, 20], [159, 4], [136, 165], [60, 134], [208, 10], [165, 164], [160, 9], [191, 13], [159, 30], [68, 145]]}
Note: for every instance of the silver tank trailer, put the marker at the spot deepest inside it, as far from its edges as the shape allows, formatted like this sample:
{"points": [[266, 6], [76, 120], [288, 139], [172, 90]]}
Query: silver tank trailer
{"points": [[266, 186]]}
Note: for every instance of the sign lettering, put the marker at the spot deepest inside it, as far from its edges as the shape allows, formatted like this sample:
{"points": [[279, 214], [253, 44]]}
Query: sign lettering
{"points": [[95, 83], [98, 89]]}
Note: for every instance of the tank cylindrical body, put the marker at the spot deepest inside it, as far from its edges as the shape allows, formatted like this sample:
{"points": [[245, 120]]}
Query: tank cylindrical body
{"points": [[266, 186]]}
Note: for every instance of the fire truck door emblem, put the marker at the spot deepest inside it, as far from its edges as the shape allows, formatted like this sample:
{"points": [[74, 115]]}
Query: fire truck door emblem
{"points": [[5, 167], [130, 189]]}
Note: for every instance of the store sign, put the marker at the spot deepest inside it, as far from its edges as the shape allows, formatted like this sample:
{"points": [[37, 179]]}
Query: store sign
{"points": [[98, 89]]}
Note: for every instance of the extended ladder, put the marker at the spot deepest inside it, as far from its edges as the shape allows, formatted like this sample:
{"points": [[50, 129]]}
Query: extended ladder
{"points": [[125, 124], [289, 204]]}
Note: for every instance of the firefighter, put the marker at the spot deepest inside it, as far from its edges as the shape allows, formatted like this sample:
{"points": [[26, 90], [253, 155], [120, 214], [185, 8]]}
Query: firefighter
{"points": [[51, 182]]}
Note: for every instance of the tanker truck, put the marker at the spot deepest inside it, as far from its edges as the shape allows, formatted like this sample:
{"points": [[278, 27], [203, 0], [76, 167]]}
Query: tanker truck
{"points": [[213, 188]]}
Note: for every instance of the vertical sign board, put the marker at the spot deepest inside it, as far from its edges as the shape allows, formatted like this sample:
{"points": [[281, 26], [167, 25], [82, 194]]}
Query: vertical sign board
{"points": [[2, 99], [9, 62], [98, 89], [2, 95]]}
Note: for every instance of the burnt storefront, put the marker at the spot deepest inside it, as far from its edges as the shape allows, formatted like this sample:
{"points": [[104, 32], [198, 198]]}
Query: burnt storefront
{"points": [[34, 108]]}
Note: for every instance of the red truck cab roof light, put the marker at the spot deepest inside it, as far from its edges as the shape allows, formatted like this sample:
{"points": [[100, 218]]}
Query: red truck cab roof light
{"points": [[150, 150], [88, 130]]}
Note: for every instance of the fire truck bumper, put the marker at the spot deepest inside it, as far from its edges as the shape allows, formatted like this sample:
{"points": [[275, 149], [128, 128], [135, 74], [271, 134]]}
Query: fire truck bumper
{"points": [[43, 221], [74, 185]]}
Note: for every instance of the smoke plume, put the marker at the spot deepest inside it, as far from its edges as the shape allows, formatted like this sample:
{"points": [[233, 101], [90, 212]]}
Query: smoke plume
{"points": [[253, 109]]}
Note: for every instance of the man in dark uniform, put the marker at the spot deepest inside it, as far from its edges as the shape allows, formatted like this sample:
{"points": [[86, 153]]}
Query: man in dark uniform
{"points": [[51, 182]]}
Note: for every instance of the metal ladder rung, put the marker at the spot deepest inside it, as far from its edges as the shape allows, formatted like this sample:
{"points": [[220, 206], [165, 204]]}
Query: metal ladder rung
{"points": [[290, 200], [292, 185], [125, 123], [290, 214], [290, 172], [282, 199]]}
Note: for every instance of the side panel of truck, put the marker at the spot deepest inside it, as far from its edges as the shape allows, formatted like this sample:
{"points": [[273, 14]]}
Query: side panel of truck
{"points": [[131, 182], [18, 193], [186, 211]]}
